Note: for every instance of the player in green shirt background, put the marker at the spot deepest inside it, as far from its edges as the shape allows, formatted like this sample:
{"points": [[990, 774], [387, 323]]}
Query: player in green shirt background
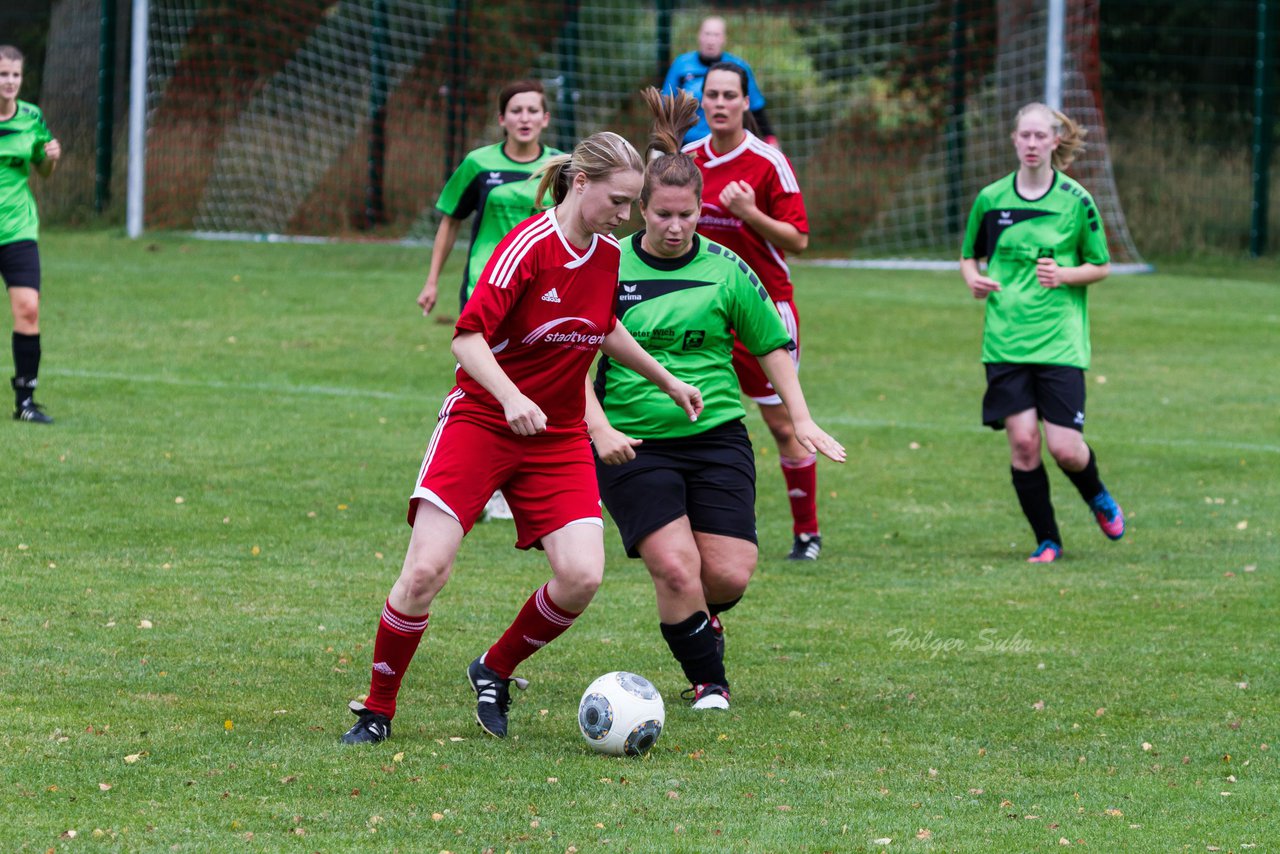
{"points": [[493, 182], [24, 142], [1043, 240], [683, 494]]}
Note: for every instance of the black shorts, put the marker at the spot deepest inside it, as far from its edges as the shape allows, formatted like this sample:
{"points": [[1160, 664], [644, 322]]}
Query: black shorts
{"points": [[20, 264], [710, 477], [1055, 392]]}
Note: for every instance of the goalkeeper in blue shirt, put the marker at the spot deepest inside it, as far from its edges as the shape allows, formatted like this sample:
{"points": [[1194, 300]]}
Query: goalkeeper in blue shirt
{"points": [[690, 70]]}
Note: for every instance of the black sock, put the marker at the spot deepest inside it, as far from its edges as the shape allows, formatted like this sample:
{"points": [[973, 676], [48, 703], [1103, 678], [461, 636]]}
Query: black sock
{"points": [[717, 608], [26, 365], [1086, 480], [693, 644], [1033, 494]]}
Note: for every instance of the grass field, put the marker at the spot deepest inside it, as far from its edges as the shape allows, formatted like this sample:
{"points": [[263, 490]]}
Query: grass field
{"points": [[193, 558]]}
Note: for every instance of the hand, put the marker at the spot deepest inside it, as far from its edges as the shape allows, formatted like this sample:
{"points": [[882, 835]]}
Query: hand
{"points": [[1049, 273], [614, 447], [52, 150], [981, 286], [739, 198], [427, 299], [687, 398], [815, 440], [524, 417]]}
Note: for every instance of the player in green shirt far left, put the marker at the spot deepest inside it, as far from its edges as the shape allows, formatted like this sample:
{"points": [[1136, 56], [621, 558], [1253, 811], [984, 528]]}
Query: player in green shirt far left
{"points": [[493, 182], [25, 142], [683, 495]]}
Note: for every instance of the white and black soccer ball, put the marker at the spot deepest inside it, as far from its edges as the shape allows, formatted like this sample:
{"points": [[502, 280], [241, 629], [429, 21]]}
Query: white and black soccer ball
{"points": [[621, 714]]}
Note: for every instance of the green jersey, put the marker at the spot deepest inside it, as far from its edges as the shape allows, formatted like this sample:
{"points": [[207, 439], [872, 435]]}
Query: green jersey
{"points": [[498, 190], [1027, 323], [685, 311], [22, 139]]}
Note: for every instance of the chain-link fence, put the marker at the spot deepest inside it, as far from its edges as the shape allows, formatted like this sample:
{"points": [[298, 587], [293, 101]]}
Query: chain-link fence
{"points": [[1188, 115]]}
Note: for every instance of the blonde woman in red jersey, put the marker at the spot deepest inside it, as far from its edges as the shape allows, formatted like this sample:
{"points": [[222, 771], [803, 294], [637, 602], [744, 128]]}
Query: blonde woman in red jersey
{"points": [[541, 310], [751, 204]]}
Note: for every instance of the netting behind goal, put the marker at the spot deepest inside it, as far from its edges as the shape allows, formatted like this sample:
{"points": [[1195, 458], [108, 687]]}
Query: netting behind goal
{"points": [[337, 118]]}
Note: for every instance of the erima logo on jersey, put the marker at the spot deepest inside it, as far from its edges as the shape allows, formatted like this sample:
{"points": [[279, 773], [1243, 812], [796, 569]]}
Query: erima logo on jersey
{"points": [[1079, 419], [630, 294], [631, 289], [494, 178], [1006, 218], [551, 296]]}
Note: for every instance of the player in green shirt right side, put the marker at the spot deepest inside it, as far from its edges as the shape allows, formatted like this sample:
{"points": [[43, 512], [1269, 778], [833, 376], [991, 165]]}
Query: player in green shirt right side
{"points": [[25, 143], [683, 494], [1043, 240]]}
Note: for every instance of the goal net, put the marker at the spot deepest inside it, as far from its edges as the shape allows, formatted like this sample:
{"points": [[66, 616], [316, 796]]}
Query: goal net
{"points": [[343, 118]]}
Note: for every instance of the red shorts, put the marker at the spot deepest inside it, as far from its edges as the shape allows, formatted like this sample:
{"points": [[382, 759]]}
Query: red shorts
{"points": [[549, 480], [755, 384]]}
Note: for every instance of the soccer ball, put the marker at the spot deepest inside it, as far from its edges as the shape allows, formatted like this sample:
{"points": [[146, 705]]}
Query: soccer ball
{"points": [[620, 714]]}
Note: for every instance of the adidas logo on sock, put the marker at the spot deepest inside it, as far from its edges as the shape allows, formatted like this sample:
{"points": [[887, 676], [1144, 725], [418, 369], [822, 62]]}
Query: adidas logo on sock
{"points": [[384, 668], [796, 493], [551, 296]]}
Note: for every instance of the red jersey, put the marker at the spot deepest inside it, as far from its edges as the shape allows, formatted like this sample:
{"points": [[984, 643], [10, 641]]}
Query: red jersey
{"points": [[544, 308], [769, 173]]}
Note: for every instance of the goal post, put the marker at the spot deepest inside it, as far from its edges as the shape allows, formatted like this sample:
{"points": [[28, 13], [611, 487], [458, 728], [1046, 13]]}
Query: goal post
{"points": [[342, 118]]}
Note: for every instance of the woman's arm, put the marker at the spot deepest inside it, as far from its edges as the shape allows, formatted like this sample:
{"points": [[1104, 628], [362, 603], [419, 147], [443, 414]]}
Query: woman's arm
{"points": [[979, 285], [740, 198], [1053, 276], [523, 415], [446, 234], [52, 151], [612, 446], [781, 372]]}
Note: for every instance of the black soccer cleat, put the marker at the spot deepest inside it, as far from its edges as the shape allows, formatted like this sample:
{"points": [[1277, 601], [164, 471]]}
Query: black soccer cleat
{"points": [[370, 729], [31, 411], [806, 547], [493, 697]]}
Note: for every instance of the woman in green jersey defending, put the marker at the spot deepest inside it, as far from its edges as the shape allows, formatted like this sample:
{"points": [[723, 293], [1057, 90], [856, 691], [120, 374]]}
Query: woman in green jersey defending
{"points": [[1042, 238], [683, 495], [24, 142], [493, 182]]}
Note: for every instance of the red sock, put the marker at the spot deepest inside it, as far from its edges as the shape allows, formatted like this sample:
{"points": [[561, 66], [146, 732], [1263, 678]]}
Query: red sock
{"points": [[802, 488], [539, 622], [393, 649]]}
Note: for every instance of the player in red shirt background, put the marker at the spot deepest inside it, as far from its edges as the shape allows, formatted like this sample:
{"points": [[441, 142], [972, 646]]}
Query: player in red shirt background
{"points": [[751, 204], [542, 308]]}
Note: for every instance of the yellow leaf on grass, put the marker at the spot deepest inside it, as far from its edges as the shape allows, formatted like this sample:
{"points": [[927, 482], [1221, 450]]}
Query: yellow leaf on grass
{"points": [[132, 758], [104, 787], [399, 757], [228, 725], [924, 833]]}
